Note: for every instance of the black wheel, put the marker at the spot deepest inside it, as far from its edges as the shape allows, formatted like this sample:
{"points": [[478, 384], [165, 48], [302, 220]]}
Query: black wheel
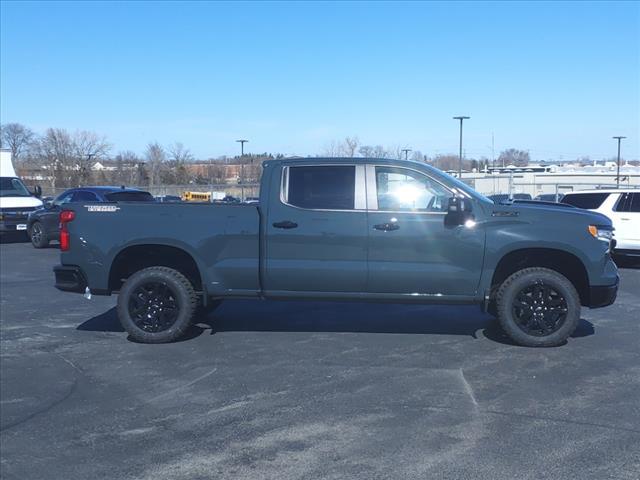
{"points": [[538, 307], [156, 305], [38, 236]]}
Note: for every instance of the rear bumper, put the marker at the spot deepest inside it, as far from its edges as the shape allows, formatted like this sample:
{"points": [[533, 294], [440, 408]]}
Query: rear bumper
{"points": [[70, 278], [601, 296]]}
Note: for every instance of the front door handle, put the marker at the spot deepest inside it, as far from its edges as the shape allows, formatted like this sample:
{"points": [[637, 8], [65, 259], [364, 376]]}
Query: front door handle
{"points": [[285, 224], [387, 227]]}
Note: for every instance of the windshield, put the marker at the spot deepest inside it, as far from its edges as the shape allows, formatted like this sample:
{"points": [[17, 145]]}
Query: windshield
{"points": [[13, 187]]}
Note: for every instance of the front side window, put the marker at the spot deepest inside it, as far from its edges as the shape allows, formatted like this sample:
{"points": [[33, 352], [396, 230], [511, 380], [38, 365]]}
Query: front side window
{"points": [[82, 196], [63, 198], [330, 187], [399, 189]]}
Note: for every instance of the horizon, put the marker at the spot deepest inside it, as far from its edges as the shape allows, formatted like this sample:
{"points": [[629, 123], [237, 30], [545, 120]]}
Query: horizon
{"points": [[557, 80]]}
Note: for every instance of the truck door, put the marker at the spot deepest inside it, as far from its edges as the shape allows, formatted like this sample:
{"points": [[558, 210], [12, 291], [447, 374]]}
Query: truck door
{"points": [[316, 230], [411, 251]]}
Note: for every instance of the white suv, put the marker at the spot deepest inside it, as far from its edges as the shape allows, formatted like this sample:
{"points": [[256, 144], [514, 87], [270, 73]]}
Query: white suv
{"points": [[621, 206]]}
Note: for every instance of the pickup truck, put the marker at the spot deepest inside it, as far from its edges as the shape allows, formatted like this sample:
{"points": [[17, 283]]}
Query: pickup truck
{"points": [[358, 229]]}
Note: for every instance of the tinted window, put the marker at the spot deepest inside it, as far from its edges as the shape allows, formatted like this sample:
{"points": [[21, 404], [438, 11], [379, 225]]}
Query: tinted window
{"points": [[330, 187], [130, 197], [63, 198], [84, 197], [400, 189], [590, 201], [629, 202]]}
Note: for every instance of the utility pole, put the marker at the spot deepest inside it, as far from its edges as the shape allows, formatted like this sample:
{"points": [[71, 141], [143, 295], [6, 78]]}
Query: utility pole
{"points": [[618, 162], [493, 152], [406, 153], [461, 118]]}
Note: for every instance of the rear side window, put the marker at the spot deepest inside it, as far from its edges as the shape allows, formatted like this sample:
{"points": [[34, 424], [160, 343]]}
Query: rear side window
{"points": [[130, 197], [629, 202], [589, 201], [323, 187]]}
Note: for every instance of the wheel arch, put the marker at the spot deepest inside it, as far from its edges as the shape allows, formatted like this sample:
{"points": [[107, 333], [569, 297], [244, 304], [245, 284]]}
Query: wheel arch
{"points": [[561, 261], [136, 257]]}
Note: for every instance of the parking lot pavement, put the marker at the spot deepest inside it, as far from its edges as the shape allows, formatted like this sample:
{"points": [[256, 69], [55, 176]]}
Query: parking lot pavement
{"points": [[275, 390]]}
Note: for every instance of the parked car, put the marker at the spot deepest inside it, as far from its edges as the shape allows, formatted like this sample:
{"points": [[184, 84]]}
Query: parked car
{"points": [[622, 206], [344, 229], [549, 197], [168, 198], [42, 224], [504, 197]]}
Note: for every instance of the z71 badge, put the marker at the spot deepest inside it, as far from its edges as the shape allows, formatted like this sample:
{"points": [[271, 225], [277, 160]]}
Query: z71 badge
{"points": [[102, 208]]}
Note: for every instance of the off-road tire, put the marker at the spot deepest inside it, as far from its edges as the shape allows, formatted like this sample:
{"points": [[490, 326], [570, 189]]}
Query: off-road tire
{"points": [[178, 286], [38, 236], [522, 279]]}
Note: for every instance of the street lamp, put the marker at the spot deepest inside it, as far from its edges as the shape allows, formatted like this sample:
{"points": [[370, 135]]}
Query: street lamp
{"points": [[618, 174], [242, 142], [461, 118], [406, 153]]}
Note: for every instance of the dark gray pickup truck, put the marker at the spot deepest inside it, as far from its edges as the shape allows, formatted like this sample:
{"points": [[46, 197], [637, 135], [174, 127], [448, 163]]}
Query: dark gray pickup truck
{"points": [[343, 229]]}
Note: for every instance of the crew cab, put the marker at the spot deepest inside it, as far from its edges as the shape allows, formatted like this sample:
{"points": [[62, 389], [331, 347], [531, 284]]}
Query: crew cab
{"points": [[361, 229]]}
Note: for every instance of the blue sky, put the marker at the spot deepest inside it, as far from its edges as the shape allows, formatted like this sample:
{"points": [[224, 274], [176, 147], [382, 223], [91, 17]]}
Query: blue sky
{"points": [[558, 79]]}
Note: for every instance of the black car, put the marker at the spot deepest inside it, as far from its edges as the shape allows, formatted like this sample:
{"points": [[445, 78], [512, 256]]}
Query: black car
{"points": [[42, 224]]}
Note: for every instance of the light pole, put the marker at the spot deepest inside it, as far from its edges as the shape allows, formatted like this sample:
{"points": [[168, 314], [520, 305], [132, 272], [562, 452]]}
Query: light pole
{"points": [[618, 173], [461, 118], [406, 153], [242, 142]]}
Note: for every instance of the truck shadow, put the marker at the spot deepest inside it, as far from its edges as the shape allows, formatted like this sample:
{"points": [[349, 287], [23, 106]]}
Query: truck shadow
{"points": [[273, 316]]}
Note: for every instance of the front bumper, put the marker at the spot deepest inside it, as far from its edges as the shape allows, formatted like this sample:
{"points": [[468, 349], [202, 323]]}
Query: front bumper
{"points": [[11, 225], [70, 278], [601, 296]]}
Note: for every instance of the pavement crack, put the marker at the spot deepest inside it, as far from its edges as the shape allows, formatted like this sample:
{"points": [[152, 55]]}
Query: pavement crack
{"points": [[467, 388]]}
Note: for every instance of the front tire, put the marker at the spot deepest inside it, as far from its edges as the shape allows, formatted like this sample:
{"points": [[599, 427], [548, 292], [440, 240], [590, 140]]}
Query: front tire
{"points": [[156, 305], [38, 236], [538, 307]]}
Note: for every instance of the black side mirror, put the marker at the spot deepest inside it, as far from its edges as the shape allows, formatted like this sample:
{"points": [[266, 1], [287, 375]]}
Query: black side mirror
{"points": [[37, 191], [459, 211]]}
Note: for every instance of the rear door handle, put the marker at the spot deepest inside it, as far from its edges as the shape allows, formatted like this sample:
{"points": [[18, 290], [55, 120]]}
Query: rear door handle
{"points": [[387, 227], [285, 224]]}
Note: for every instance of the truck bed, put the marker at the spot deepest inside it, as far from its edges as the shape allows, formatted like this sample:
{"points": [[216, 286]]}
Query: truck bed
{"points": [[223, 240]]}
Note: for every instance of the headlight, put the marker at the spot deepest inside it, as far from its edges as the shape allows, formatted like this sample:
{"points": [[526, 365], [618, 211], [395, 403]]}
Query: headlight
{"points": [[601, 233]]}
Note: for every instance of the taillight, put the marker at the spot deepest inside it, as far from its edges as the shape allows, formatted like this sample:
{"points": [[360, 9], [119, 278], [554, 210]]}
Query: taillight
{"points": [[66, 216]]}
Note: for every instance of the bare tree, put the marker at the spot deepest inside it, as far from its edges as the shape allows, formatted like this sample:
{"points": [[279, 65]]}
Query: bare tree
{"points": [[16, 137], [55, 153], [350, 146], [513, 156], [88, 148], [155, 156], [179, 154]]}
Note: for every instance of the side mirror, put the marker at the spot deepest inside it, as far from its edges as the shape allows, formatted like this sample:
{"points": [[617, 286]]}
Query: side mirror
{"points": [[459, 211], [37, 191]]}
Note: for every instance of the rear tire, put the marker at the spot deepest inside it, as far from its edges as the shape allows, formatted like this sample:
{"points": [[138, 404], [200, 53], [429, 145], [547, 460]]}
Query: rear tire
{"points": [[38, 236], [156, 305], [538, 307]]}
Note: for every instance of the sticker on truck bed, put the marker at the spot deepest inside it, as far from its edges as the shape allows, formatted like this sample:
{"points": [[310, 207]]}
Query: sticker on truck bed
{"points": [[102, 208]]}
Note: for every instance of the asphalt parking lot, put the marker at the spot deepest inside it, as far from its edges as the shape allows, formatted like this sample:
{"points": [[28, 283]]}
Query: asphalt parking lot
{"points": [[275, 390]]}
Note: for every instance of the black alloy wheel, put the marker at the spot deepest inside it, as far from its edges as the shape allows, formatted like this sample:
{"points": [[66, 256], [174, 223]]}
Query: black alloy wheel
{"points": [[153, 306], [539, 309]]}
